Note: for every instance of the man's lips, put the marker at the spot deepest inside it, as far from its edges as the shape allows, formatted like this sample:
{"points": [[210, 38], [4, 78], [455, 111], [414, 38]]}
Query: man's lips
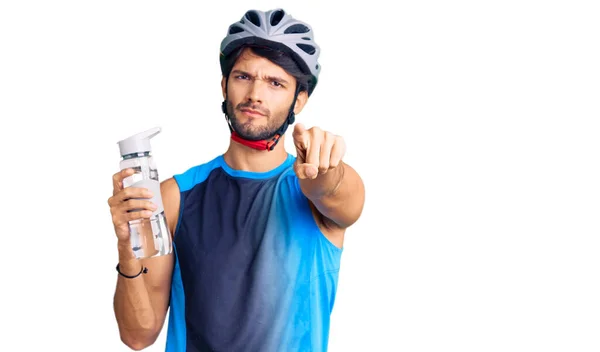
{"points": [[250, 112]]}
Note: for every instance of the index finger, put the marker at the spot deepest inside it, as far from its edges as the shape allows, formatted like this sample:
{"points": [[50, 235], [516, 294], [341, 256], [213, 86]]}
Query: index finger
{"points": [[300, 135], [118, 178]]}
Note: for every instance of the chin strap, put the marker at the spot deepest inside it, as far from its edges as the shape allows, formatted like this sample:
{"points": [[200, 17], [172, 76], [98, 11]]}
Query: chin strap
{"points": [[260, 145], [265, 144]]}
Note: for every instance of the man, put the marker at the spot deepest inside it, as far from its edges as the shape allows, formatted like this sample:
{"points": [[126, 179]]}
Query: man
{"points": [[257, 233]]}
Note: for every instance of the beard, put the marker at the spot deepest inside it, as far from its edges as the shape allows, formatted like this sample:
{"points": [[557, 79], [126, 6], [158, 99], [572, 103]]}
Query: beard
{"points": [[249, 130]]}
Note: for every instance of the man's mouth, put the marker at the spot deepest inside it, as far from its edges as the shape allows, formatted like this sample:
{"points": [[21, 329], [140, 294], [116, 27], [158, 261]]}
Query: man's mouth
{"points": [[252, 113]]}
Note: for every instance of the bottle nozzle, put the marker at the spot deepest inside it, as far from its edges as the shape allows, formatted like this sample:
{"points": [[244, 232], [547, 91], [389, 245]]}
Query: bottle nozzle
{"points": [[138, 143], [149, 133]]}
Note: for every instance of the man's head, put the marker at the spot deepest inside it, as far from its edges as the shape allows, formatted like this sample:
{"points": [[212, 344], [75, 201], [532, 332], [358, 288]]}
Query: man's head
{"points": [[261, 87], [269, 66]]}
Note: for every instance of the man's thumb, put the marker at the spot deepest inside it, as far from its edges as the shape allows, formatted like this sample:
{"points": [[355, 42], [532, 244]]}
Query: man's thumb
{"points": [[304, 171]]}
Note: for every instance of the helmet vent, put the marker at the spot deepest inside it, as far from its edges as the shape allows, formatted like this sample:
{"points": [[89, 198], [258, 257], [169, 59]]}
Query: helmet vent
{"points": [[235, 29], [297, 28], [276, 17], [253, 17], [309, 49]]}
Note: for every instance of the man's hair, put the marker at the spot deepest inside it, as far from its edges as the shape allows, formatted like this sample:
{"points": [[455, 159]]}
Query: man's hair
{"points": [[275, 56]]}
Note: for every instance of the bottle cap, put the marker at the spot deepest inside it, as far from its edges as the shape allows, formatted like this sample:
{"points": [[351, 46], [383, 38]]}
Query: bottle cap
{"points": [[138, 143]]}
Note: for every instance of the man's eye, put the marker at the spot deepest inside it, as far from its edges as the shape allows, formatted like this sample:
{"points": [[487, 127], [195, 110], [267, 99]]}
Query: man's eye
{"points": [[241, 77], [276, 84]]}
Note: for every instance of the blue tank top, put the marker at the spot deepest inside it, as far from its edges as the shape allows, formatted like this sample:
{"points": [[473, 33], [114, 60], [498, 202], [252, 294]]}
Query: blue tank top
{"points": [[253, 271]]}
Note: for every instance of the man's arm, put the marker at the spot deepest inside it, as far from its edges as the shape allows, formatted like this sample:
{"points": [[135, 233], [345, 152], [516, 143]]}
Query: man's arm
{"points": [[141, 303], [334, 188], [338, 195]]}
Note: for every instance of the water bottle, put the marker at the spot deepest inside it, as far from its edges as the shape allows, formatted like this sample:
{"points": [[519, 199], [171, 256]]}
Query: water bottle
{"points": [[149, 237]]}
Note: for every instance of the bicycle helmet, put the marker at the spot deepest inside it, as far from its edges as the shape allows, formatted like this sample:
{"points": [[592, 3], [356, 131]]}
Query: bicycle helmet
{"points": [[279, 30]]}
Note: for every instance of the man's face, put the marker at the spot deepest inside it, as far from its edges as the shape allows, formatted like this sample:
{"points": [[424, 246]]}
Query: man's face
{"points": [[260, 96]]}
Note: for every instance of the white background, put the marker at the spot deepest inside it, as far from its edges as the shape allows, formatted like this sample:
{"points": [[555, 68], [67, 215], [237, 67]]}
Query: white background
{"points": [[474, 125]]}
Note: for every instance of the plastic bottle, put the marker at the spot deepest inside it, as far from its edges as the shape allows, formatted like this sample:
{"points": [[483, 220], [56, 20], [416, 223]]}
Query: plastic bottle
{"points": [[149, 237]]}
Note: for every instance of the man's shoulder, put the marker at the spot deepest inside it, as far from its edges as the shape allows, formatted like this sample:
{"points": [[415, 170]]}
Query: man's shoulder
{"points": [[197, 173]]}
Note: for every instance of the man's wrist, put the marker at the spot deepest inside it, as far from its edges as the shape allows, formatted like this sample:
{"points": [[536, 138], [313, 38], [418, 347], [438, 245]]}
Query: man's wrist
{"points": [[325, 185], [130, 267], [339, 177], [128, 263]]}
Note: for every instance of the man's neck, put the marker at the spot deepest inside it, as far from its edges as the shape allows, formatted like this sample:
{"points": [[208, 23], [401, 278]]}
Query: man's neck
{"points": [[241, 157]]}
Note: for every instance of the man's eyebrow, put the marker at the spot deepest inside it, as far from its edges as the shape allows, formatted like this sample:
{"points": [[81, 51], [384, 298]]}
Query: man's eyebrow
{"points": [[241, 73], [270, 78], [278, 79]]}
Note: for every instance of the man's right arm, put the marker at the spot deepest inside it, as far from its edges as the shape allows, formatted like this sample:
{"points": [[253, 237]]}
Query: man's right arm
{"points": [[141, 303]]}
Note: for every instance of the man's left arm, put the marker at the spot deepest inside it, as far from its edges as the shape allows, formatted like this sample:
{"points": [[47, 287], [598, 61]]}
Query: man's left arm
{"points": [[334, 187]]}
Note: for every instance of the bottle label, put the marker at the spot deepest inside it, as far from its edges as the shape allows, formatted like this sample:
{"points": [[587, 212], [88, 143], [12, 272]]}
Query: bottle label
{"points": [[154, 187]]}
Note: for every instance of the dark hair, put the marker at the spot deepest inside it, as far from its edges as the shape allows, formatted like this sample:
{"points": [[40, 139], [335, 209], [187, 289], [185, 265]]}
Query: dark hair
{"points": [[277, 57]]}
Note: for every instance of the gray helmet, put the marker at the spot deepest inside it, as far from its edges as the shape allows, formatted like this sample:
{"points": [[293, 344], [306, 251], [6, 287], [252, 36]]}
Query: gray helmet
{"points": [[279, 30]]}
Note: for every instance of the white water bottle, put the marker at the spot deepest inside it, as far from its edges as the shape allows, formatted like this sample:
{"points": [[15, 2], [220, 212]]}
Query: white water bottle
{"points": [[148, 237]]}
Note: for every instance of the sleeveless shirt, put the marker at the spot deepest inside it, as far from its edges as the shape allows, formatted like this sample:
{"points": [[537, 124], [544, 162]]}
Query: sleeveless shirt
{"points": [[253, 272]]}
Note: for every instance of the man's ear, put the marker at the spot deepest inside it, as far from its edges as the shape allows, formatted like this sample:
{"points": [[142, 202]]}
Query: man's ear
{"points": [[300, 101], [224, 86]]}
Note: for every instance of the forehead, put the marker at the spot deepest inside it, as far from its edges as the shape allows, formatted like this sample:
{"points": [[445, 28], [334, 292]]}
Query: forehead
{"points": [[254, 64]]}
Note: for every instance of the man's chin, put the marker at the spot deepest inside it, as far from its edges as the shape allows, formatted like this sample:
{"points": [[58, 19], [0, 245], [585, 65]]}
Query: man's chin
{"points": [[254, 136], [250, 133]]}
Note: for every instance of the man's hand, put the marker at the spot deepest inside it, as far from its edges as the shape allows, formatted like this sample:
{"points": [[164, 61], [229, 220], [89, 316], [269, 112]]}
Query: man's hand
{"points": [[127, 204], [317, 151]]}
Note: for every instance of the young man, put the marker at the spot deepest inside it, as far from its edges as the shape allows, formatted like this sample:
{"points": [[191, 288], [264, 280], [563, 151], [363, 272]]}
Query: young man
{"points": [[257, 232]]}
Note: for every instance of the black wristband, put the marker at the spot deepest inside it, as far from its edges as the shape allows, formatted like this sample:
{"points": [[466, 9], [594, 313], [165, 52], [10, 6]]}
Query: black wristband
{"points": [[143, 270]]}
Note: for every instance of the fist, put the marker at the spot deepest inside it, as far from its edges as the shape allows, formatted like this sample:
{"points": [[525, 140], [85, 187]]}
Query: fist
{"points": [[127, 204], [317, 151]]}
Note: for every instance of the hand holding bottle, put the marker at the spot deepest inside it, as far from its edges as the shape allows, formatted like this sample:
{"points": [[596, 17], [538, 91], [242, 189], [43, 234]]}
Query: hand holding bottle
{"points": [[128, 204], [136, 204]]}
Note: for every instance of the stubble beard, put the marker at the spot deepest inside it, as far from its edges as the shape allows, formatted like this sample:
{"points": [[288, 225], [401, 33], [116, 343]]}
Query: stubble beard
{"points": [[249, 130]]}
